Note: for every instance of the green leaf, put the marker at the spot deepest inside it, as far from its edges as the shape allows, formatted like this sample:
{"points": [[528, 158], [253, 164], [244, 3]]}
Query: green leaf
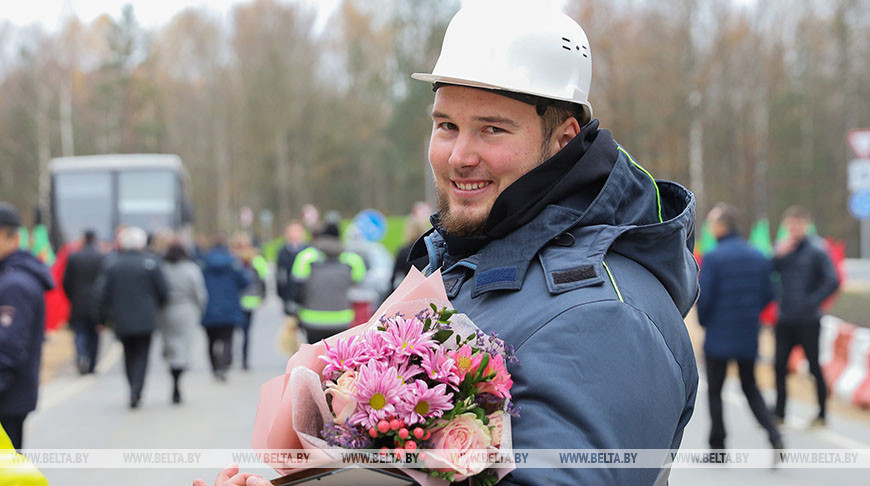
{"points": [[443, 335], [479, 412], [478, 375]]}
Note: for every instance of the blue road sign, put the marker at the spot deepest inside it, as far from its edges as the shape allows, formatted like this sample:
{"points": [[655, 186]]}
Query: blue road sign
{"points": [[859, 204], [372, 224]]}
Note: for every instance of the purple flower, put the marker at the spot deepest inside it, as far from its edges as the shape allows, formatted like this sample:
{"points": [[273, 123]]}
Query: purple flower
{"points": [[377, 394], [420, 402], [405, 337], [347, 355], [440, 367]]}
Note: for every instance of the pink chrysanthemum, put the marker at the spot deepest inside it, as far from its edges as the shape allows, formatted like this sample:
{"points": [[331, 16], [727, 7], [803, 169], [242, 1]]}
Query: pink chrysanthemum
{"points": [[501, 382], [377, 394], [405, 337], [420, 402], [347, 355], [440, 367], [408, 371], [376, 347]]}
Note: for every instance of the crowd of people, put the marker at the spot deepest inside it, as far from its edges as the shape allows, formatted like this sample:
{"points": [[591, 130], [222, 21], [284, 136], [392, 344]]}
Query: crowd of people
{"points": [[138, 284]]}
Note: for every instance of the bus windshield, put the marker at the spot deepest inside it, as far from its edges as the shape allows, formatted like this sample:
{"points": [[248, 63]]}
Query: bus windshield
{"points": [[147, 199], [83, 200]]}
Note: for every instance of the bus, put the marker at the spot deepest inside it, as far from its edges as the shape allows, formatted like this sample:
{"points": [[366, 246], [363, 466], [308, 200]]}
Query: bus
{"points": [[102, 192]]}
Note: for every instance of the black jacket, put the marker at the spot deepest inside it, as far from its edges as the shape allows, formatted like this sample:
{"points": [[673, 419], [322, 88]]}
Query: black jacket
{"points": [[287, 289], [807, 278], [23, 281], [130, 290], [79, 279]]}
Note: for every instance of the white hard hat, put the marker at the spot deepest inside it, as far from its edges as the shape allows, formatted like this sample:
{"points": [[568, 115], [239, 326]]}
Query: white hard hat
{"points": [[518, 46]]}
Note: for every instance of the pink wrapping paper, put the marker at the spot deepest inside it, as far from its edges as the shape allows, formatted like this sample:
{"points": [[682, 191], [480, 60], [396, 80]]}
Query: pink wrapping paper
{"points": [[278, 426]]}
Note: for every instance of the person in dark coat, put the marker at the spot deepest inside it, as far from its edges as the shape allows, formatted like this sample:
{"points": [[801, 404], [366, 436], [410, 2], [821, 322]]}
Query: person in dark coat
{"points": [[807, 277], [735, 288], [225, 280], [23, 281], [79, 279], [294, 235], [415, 226], [130, 290]]}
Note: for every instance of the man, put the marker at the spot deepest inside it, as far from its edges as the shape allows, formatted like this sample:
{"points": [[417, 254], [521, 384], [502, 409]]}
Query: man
{"points": [[23, 281], [807, 277], [735, 288], [225, 280], [257, 270], [79, 279], [324, 273], [294, 235], [130, 290], [548, 233]]}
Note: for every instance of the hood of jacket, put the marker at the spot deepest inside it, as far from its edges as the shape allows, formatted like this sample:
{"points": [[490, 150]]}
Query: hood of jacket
{"points": [[25, 262], [219, 258], [593, 191]]}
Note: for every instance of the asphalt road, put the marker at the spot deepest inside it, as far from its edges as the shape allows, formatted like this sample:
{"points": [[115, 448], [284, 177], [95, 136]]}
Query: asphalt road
{"points": [[92, 413]]}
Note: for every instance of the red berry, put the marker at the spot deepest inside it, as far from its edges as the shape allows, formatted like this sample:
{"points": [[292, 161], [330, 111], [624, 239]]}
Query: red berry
{"points": [[418, 433], [421, 456], [403, 433], [373, 432], [428, 434], [395, 424], [411, 445], [383, 426]]}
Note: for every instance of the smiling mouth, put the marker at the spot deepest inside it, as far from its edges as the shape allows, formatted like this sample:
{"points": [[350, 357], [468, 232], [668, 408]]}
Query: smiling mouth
{"points": [[470, 186]]}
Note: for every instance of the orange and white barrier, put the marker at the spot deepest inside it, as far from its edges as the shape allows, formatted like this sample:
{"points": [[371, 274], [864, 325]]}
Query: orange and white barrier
{"points": [[844, 353]]}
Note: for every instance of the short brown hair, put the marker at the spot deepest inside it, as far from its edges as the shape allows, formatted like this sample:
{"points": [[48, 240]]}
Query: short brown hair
{"points": [[728, 215], [553, 116], [798, 212]]}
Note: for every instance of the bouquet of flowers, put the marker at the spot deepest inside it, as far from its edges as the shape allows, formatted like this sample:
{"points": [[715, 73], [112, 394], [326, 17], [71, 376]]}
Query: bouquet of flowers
{"points": [[418, 379]]}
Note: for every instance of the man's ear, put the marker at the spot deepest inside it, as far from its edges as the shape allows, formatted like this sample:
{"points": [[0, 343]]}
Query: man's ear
{"points": [[566, 132]]}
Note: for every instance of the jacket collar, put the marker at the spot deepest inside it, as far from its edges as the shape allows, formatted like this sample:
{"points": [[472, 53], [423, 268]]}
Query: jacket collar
{"points": [[501, 264]]}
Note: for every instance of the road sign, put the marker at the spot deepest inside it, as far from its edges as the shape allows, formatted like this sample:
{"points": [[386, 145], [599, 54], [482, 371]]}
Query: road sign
{"points": [[859, 204], [860, 142], [859, 174], [372, 224]]}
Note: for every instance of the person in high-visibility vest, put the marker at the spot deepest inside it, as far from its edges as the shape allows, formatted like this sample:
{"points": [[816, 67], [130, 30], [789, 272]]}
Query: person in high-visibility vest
{"points": [[257, 270], [325, 272], [16, 469]]}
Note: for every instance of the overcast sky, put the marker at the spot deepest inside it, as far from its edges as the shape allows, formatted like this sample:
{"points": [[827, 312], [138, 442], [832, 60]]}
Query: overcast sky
{"points": [[149, 13]]}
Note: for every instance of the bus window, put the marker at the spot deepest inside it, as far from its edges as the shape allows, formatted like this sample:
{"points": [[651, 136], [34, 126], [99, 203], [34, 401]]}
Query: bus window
{"points": [[83, 201], [147, 199]]}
